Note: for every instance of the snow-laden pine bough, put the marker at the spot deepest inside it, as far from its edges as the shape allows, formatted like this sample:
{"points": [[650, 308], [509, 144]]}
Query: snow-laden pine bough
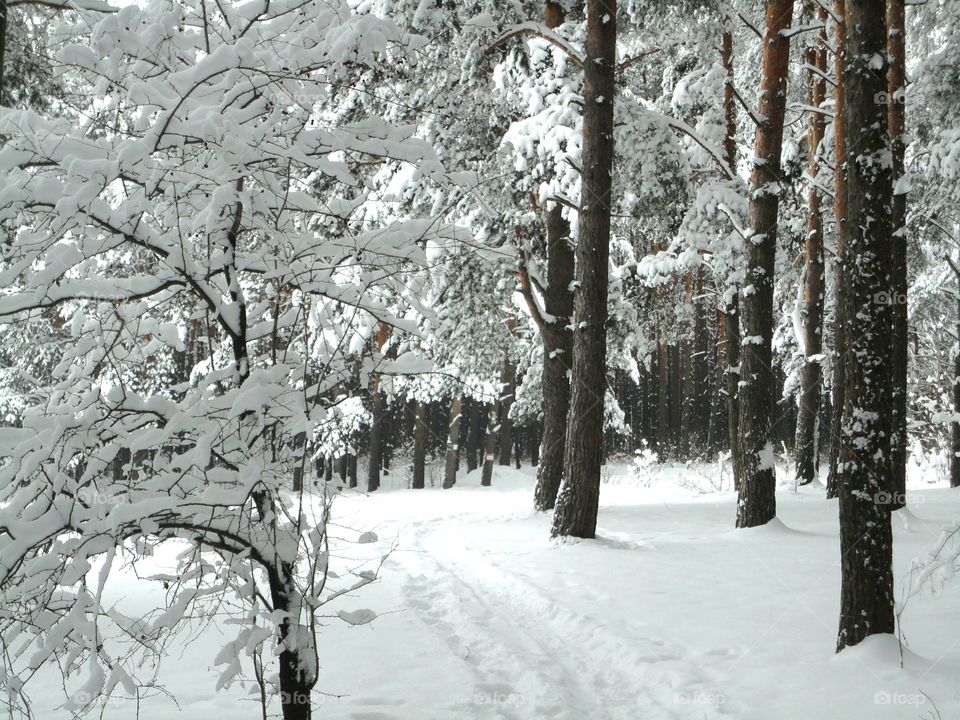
{"points": [[196, 244]]}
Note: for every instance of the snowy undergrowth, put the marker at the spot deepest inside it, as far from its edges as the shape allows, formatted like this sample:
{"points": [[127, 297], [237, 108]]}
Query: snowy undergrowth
{"points": [[668, 613]]}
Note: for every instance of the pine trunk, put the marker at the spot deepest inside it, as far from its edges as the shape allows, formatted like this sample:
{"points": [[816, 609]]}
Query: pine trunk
{"points": [[731, 306], [476, 425], [508, 379], [489, 447], [866, 542], [352, 470], [377, 410], [453, 439], [809, 410], [756, 504], [955, 425], [663, 401], [840, 212], [577, 501], [556, 358], [536, 437], [4, 10], [419, 445], [896, 116]]}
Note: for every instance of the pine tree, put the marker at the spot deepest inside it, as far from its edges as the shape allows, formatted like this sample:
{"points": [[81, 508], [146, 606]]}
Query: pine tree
{"points": [[756, 504], [579, 496], [807, 426], [866, 540]]}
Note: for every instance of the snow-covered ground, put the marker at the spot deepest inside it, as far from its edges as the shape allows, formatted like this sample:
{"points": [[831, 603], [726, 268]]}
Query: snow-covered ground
{"points": [[669, 613]]}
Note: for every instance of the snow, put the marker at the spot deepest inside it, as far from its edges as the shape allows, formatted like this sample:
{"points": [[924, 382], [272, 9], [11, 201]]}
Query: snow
{"points": [[668, 613]]}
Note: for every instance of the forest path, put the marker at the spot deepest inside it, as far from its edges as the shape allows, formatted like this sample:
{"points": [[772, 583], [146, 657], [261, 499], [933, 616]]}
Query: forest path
{"points": [[530, 653]]}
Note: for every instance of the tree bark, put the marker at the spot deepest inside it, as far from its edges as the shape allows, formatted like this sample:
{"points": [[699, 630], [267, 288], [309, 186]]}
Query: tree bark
{"points": [[352, 470], [663, 401], [519, 437], [809, 410], [896, 118], [489, 447], [508, 387], [453, 439], [866, 542], [536, 436], [731, 309], [475, 430], [378, 407], [555, 335], [840, 211], [578, 499], [756, 504], [378, 410], [419, 445], [686, 377], [955, 425], [4, 12], [296, 679]]}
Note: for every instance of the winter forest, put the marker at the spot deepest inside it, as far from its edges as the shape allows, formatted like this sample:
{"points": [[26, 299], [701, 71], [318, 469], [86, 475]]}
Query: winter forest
{"points": [[405, 359]]}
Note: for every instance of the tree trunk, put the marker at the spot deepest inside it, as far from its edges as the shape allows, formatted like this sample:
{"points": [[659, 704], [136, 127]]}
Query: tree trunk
{"points": [[419, 445], [756, 504], [508, 387], [663, 400], [686, 377], [731, 305], [489, 447], [556, 338], [4, 11], [378, 408], [702, 367], [955, 425], [866, 542], [474, 434], [896, 117], [378, 411], [577, 501], [297, 673], [676, 399], [388, 435], [352, 470], [536, 435], [840, 211], [453, 439], [809, 410]]}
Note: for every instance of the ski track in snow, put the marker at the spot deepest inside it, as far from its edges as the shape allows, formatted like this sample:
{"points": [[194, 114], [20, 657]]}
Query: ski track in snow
{"points": [[530, 656]]}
